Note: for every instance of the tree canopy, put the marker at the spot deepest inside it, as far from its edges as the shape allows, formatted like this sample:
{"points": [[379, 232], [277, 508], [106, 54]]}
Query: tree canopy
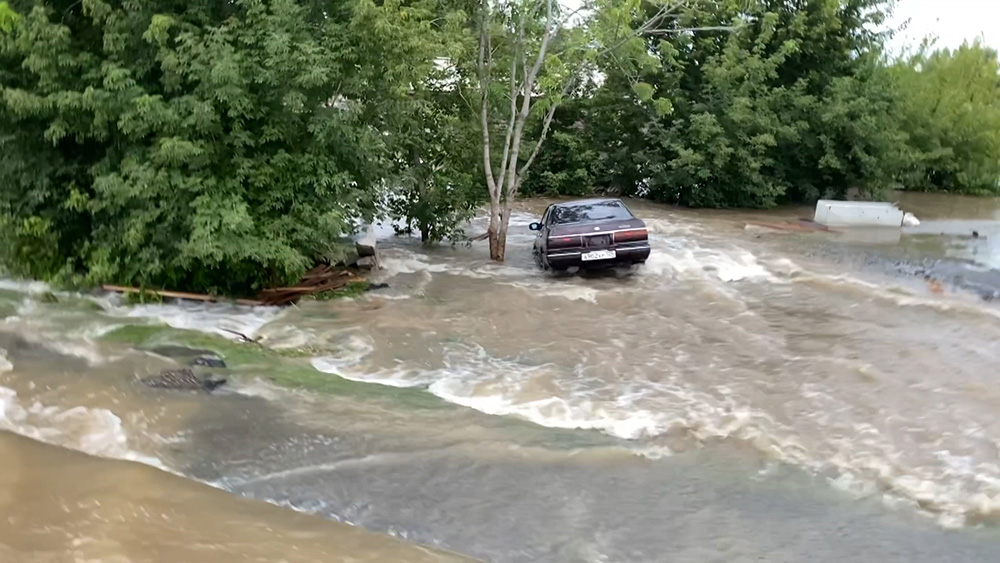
{"points": [[951, 111], [218, 146]]}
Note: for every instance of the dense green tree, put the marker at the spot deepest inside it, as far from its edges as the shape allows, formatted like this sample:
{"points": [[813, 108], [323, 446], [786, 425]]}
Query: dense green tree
{"points": [[436, 181], [201, 145], [951, 112], [751, 104], [568, 165], [438, 184]]}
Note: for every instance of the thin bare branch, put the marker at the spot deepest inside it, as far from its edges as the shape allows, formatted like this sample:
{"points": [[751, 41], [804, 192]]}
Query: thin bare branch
{"points": [[528, 86], [550, 30], [692, 29], [665, 12], [519, 47], [484, 84], [546, 122], [569, 16]]}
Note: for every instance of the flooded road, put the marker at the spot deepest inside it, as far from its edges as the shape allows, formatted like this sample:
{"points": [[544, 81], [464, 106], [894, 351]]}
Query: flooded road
{"points": [[741, 397]]}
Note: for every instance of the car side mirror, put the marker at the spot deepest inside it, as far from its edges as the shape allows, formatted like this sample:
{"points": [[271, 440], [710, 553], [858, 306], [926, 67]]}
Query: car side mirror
{"points": [[535, 226]]}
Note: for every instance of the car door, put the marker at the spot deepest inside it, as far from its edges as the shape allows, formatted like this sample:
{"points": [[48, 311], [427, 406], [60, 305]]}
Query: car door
{"points": [[542, 238]]}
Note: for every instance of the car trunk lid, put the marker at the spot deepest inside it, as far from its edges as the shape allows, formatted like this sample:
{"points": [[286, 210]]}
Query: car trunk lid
{"points": [[595, 234]]}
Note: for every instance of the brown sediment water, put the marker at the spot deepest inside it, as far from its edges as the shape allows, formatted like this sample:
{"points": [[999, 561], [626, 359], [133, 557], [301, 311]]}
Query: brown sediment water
{"points": [[744, 395], [61, 505]]}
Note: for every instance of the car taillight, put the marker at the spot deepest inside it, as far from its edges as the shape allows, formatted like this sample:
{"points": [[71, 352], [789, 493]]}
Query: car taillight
{"points": [[631, 235], [563, 242]]}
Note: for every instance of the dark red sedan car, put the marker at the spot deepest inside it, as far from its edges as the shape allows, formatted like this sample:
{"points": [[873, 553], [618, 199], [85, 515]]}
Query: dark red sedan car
{"points": [[590, 234]]}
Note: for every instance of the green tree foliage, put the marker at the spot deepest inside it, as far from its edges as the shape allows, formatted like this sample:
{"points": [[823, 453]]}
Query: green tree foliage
{"points": [[751, 104], [197, 145], [951, 111], [436, 184], [788, 105], [8, 17], [593, 148], [568, 165]]}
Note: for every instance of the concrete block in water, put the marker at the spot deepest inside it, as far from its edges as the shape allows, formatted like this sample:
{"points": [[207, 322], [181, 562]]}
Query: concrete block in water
{"points": [[367, 263], [858, 214], [367, 248]]}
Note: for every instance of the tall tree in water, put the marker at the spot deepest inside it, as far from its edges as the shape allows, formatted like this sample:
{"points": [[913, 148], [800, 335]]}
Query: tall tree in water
{"points": [[531, 54], [217, 146]]}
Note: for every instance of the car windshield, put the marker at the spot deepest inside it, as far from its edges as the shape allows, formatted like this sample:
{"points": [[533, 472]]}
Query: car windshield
{"points": [[595, 211]]}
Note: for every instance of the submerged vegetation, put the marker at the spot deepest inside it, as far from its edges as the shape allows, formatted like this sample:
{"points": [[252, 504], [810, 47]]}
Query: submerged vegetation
{"points": [[288, 368], [228, 147]]}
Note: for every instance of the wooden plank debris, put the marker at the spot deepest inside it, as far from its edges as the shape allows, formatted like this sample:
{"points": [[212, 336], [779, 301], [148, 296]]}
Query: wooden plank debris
{"points": [[322, 278], [179, 295], [363, 255]]}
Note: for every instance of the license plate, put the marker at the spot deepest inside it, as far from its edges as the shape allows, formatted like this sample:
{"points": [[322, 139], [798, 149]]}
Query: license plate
{"points": [[598, 255]]}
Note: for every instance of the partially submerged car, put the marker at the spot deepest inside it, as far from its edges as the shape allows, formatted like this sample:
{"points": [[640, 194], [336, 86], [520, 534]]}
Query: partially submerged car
{"points": [[590, 234]]}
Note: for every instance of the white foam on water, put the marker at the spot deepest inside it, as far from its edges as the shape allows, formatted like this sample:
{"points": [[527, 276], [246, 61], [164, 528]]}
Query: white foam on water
{"points": [[212, 318], [490, 271], [85, 349], [553, 288], [351, 355], [5, 364], [951, 301], [69, 332], [95, 431], [25, 286], [399, 261], [642, 411], [262, 389], [671, 227], [692, 260], [400, 378]]}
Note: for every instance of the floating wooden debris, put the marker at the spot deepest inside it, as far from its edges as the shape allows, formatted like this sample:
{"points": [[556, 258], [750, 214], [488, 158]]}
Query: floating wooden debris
{"points": [[179, 295], [320, 279]]}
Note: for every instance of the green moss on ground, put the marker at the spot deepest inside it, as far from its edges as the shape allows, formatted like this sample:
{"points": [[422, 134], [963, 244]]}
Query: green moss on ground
{"points": [[286, 368]]}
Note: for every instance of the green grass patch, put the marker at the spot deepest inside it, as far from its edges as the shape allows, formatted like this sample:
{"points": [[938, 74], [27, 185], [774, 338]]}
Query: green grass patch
{"points": [[235, 353], [286, 368]]}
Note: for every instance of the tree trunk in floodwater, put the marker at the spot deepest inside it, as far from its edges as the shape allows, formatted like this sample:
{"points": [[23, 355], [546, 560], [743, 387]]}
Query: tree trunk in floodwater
{"points": [[498, 246], [498, 233], [425, 233]]}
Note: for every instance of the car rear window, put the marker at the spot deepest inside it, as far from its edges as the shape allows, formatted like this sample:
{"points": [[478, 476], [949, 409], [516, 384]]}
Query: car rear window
{"points": [[596, 211]]}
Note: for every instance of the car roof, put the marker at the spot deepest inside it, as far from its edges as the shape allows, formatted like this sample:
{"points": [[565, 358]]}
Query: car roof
{"points": [[590, 201]]}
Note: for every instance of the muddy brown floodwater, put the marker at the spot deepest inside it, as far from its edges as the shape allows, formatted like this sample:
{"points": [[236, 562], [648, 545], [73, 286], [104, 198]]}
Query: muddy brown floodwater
{"points": [[744, 396]]}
